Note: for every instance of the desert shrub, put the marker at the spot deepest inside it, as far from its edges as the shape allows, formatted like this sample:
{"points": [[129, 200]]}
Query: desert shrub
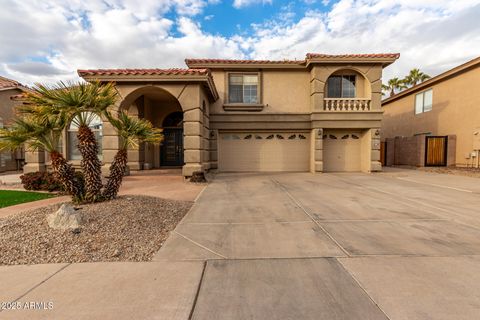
{"points": [[45, 181]]}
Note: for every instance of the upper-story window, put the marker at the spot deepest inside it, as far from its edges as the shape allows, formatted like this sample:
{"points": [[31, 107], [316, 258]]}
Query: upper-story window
{"points": [[243, 88], [341, 86], [423, 101]]}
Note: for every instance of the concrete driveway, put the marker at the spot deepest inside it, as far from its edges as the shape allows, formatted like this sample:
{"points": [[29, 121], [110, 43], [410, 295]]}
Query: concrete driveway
{"points": [[395, 245]]}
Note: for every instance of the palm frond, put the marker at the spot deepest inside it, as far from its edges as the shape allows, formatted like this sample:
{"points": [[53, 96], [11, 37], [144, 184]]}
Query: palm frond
{"points": [[133, 131]]}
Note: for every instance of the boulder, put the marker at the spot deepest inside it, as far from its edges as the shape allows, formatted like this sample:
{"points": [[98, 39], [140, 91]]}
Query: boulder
{"points": [[65, 218]]}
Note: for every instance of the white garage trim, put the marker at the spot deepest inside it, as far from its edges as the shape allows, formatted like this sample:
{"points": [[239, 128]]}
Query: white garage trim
{"points": [[342, 151], [264, 151]]}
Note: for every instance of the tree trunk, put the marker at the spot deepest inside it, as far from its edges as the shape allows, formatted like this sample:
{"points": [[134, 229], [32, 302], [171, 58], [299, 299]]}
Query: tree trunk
{"points": [[66, 174], [117, 171], [392, 92], [91, 165]]}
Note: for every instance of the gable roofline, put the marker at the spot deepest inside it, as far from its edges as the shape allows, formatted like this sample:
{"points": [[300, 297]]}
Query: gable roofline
{"points": [[229, 63], [384, 58], [456, 71], [152, 75]]}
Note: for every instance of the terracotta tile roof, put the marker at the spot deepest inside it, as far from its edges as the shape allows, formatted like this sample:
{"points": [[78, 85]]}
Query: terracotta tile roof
{"points": [[239, 61], [165, 72], [367, 55], [8, 83]]}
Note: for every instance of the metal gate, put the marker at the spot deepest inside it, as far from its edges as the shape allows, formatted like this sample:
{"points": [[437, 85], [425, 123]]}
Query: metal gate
{"points": [[436, 151]]}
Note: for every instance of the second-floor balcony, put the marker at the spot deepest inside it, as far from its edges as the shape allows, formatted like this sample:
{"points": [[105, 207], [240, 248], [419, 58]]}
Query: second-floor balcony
{"points": [[346, 104]]}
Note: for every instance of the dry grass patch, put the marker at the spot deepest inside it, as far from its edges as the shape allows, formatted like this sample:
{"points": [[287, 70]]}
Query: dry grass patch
{"points": [[130, 228]]}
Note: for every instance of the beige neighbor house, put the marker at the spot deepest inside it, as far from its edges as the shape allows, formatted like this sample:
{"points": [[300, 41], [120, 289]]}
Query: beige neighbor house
{"points": [[446, 106], [319, 114], [9, 88]]}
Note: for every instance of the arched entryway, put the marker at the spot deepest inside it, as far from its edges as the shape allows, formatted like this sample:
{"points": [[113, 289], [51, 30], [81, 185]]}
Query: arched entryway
{"points": [[171, 151], [164, 111]]}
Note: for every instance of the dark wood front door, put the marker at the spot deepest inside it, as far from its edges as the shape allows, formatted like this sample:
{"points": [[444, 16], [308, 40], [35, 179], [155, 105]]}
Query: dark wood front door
{"points": [[171, 152]]}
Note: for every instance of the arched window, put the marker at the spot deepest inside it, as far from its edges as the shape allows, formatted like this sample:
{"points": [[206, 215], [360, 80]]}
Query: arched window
{"points": [[341, 86], [96, 125]]}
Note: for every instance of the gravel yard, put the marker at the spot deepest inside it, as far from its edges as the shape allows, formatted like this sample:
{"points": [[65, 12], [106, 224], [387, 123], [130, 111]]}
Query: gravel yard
{"points": [[130, 228], [468, 172]]}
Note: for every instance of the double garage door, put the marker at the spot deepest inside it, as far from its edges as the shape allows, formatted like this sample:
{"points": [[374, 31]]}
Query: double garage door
{"points": [[287, 151], [264, 151]]}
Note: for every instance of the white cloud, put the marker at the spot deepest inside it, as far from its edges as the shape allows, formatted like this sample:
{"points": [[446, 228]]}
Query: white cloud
{"points": [[245, 3], [55, 38], [430, 34]]}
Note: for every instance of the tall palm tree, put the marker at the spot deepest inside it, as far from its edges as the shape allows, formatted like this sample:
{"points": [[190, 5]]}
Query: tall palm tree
{"points": [[394, 84], [43, 133], [131, 131], [416, 76], [78, 102]]}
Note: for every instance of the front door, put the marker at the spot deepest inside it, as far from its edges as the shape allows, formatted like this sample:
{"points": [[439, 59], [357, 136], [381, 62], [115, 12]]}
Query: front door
{"points": [[171, 152]]}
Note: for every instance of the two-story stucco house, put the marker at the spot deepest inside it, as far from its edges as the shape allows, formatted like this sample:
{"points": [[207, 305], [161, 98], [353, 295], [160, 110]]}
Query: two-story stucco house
{"points": [[319, 114]]}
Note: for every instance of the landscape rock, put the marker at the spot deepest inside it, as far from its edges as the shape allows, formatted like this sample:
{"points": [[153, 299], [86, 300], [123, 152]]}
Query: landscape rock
{"points": [[65, 218]]}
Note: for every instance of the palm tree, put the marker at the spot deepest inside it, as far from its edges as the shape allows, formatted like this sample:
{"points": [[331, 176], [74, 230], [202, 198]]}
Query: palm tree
{"points": [[79, 102], [394, 84], [131, 131], [416, 76], [43, 133]]}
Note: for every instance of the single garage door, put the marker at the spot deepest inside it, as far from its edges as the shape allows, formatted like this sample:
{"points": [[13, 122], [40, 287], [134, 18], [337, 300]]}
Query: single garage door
{"points": [[341, 151], [260, 151]]}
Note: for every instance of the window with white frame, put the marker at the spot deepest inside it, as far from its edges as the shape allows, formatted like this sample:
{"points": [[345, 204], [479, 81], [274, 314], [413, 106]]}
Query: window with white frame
{"points": [[96, 125], [423, 101], [341, 86], [243, 88]]}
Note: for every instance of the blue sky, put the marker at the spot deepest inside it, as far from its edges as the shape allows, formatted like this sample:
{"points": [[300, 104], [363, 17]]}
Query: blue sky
{"points": [[48, 40], [225, 19]]}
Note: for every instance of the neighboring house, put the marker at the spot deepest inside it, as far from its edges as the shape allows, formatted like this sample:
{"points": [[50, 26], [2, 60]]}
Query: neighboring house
{"points": [[9, 88], [446, 105], [319, 114]]}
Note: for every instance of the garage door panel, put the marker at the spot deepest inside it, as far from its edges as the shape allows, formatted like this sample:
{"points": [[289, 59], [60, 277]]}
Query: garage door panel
{"points": [[251, 151], [341, 151]]}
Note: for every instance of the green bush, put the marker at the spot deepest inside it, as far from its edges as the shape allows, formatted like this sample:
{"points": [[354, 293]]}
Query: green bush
{"points": [[45, 181]]}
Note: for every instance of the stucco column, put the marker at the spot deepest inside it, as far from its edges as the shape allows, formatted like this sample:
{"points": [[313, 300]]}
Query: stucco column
{"points": [[213, 149], [110, 146], [34, 161], [317, 88], [193, 131], [371, 150], [316, 150], [206, 141]]}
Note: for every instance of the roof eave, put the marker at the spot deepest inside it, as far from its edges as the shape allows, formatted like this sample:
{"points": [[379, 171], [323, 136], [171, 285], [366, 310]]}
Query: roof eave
{"points": [[327, 60], [214, 65], [206, 78]]}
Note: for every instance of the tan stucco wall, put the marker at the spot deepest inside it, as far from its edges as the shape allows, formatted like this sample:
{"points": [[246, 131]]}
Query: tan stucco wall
{"points": [[7, 158], [7, 105], [292, 84], [455, 111]]}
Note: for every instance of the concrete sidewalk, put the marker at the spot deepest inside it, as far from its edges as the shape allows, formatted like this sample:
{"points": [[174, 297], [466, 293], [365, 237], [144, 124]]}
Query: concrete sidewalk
{"points": [[124, 290]]}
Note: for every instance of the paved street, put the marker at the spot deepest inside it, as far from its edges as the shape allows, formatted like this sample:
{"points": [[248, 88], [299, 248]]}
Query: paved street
{"points": [[400, 244]]}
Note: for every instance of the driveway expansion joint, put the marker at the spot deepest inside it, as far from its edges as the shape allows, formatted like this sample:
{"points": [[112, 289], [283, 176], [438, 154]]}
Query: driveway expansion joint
{"points": [[282, 187]]}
